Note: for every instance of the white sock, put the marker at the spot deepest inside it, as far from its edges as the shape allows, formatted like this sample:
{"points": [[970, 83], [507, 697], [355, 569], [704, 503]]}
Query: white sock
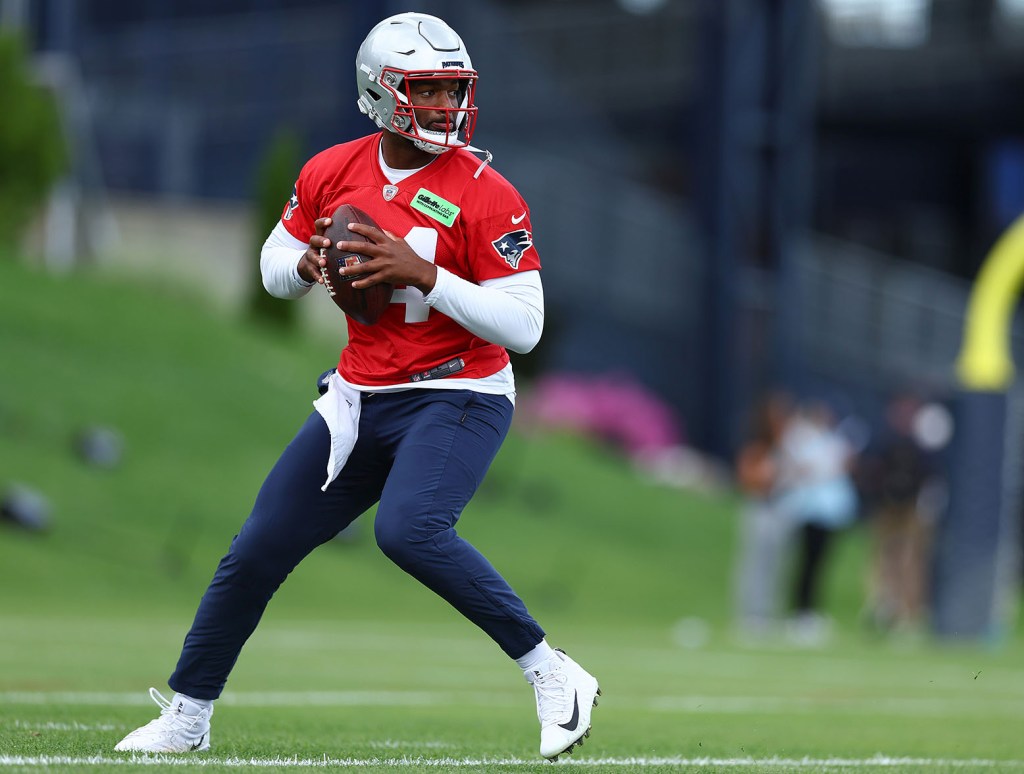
{"points": [[542, 652], [186, 701]]}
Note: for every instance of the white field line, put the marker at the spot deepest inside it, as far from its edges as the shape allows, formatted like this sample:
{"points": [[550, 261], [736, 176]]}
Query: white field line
{"points": [[51, 726], [949, 706], [398, 744], [945, 706], [785, 764], [247, 699]]}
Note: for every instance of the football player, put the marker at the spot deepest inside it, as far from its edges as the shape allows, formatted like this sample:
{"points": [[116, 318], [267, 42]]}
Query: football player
{"points": [[420, 401]]}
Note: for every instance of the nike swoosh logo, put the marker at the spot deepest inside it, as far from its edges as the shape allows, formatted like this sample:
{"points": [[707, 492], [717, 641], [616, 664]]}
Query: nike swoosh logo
{"points": [[199, 744], [516, 221], [575, 719]]}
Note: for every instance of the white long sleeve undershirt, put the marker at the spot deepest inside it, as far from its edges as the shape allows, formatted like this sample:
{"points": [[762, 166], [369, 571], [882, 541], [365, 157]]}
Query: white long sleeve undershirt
{"points": [[508, 311], [279, 264]]}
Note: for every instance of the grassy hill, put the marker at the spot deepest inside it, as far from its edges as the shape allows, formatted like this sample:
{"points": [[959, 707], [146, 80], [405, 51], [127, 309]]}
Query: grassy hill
{"points": [[205, 404]]}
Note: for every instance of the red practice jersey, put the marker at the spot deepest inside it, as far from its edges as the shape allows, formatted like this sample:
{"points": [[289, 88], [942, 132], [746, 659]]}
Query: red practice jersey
{"points": [[476, 227]]}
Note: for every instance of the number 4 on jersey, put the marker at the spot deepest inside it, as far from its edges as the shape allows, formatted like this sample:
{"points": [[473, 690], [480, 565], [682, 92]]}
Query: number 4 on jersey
{"points": [[424, 242]]}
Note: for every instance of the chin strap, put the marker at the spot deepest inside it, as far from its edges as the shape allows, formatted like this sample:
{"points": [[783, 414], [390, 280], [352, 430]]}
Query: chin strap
{"points": [[488, 157], [430, 147]]}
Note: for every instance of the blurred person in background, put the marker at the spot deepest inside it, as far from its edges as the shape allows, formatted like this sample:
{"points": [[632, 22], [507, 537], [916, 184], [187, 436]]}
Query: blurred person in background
{"points": [[905, 492], [818, 496], [420, 402], [765, 531]]}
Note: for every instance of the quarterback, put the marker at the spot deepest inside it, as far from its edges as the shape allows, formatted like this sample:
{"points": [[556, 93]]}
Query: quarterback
{"points": [[420, 401]]}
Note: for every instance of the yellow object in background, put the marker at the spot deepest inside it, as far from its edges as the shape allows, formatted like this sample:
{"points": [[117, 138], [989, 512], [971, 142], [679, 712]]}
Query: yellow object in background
{"points": [[985, 362]]}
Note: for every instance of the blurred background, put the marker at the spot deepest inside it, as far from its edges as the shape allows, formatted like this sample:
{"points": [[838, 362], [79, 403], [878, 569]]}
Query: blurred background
{"points": [[742, 206]]}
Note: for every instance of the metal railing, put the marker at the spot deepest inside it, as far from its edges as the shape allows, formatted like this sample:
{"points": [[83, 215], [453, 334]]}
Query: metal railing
{"points": [[874, 320]]}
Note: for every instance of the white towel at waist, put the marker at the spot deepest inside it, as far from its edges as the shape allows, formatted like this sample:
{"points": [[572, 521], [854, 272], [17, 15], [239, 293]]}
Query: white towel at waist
{"points": [[340, 407]]}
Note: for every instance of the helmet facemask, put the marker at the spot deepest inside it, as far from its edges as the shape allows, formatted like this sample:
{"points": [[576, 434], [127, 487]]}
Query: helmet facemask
{"points": [[459, 121]]}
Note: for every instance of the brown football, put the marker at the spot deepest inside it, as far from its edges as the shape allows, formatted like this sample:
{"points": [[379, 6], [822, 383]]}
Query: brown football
{"points": [[365, 305]]}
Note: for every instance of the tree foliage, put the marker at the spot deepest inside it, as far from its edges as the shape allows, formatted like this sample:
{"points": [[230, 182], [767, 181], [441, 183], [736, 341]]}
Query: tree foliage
{"points": [[32, 148], [276, 176]]}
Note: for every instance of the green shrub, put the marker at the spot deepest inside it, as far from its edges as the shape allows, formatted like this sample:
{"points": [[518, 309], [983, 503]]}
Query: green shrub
{"points": [[275, 178], [32, 149]]}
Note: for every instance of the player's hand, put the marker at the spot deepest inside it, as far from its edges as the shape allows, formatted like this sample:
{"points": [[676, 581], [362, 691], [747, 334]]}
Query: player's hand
{"points": [[391, 260], [311, 261]]}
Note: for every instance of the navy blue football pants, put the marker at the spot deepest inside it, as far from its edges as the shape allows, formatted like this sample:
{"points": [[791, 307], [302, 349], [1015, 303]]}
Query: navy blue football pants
{"points": [[421, 453]]}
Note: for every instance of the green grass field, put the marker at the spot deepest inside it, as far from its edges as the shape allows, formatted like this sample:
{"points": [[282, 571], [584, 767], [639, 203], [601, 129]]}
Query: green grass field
{"points": [[357, 666]]}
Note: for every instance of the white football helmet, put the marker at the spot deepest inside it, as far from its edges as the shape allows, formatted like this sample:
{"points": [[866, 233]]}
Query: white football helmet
{"points": [[409, 47]]}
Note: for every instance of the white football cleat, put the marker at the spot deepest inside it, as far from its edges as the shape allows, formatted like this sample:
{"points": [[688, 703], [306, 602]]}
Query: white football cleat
{"points": [[566, 694], [183, 726]]}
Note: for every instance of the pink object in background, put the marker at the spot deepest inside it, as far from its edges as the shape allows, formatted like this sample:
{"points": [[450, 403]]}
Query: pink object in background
{"points": [[613, 407]]}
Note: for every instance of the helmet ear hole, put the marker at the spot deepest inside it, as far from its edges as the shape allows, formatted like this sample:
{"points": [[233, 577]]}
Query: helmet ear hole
{"points": [[376, 97]]}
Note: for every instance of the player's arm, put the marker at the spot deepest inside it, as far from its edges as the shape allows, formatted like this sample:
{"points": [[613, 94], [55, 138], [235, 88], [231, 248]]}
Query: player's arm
{"points": [[289, 266], [502, 306], [506, 310]]}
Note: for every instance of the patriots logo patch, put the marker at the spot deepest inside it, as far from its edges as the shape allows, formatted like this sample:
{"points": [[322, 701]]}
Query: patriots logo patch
{"points": [[293, 204], [512, 245]]}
